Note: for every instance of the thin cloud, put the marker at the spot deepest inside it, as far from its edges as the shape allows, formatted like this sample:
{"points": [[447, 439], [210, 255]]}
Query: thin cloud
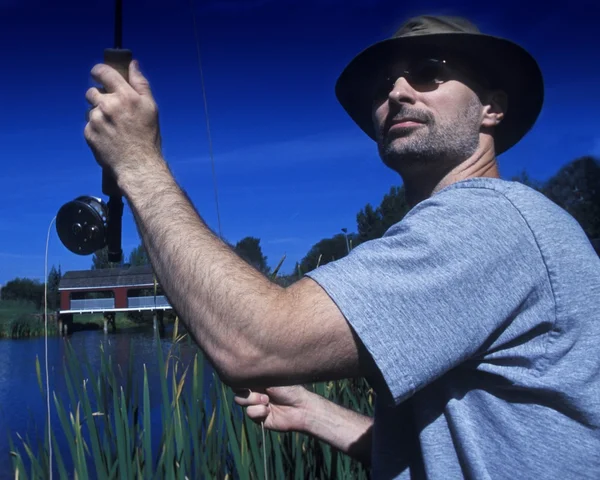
{"points": [[319, 148], [19, 255]]}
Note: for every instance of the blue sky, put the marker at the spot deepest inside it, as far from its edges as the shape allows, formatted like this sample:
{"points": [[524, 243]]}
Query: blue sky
{"points": [[291, 167]]}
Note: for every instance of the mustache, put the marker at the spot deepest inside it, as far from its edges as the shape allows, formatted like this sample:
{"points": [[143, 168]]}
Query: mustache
{"points": [[418, 115]]}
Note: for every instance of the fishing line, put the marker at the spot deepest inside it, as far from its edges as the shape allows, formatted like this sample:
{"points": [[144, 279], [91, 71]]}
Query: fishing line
{"points": [[212, 161], [210, 148], [46, 348], [262, 424]]}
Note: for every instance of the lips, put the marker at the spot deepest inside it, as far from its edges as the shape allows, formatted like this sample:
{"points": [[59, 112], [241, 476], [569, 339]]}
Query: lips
{"points": [[406, 122]]}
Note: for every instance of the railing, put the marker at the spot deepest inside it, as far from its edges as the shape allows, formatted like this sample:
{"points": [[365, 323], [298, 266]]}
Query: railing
{"points": [[109, 303], [93, 304], [147, 302]]}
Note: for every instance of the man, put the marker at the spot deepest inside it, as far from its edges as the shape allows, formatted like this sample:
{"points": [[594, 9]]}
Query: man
{"points": [[476, 318]]}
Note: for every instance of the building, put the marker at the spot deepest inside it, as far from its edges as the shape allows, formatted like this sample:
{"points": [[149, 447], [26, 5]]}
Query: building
{"points": [[110, 290]]}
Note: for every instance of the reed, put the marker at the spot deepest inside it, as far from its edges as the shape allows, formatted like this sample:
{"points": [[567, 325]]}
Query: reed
{"points": [[20, 319], [202, 433]]}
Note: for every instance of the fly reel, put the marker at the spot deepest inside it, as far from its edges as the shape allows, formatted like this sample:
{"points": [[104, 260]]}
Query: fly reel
{"points": [[87, 224], [82, 225]]}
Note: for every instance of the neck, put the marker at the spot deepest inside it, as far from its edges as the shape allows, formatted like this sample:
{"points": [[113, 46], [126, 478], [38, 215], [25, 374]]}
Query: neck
{"points": [[421, 185]]}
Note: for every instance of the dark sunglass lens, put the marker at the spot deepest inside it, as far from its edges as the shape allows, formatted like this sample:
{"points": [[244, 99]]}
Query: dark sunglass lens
{"points": [[383, 86], [427, 71]]}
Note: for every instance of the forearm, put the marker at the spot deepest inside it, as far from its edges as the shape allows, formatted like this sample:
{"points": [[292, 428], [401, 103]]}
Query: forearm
{"points": [[203, 278], [347, 431]]}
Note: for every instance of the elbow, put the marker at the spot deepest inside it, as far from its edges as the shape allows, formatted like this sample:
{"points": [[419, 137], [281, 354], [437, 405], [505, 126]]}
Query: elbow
{"points": [[240, 368]]}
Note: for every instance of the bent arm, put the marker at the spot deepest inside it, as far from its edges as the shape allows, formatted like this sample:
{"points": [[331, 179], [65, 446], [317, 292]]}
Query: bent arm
{"points": [[253, 331]]}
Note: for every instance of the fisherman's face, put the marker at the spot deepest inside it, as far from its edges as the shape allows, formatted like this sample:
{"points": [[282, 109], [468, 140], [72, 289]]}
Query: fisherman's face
{"points": [[427, 117]]}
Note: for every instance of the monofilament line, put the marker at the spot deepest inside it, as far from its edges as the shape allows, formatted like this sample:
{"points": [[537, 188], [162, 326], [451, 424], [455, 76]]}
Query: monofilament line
{"points": [[262, 424], [205, 101], [46, 349]]}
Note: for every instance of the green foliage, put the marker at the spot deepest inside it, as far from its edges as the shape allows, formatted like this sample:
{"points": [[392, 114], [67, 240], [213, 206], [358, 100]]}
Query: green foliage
{"points": [[53, 282], [24, 289], [325, 251], [526, 179], [139, 256], [373, 223], [203, 434], [19, 319], [576, 188], [250, 250], [100, 260]]}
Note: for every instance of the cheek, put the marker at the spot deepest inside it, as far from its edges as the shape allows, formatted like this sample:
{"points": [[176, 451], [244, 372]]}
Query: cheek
{"points": [[379, 115], [456, 103]]}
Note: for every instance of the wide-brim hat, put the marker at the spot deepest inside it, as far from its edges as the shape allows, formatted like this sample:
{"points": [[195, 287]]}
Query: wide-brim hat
{"points": [[507, 65]]}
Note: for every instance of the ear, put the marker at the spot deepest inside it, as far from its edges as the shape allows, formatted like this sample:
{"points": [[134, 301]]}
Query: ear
{"points": [[494, 108]]}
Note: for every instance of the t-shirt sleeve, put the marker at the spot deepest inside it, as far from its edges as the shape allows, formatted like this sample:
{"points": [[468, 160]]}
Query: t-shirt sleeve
{"points": [[437, 287]]}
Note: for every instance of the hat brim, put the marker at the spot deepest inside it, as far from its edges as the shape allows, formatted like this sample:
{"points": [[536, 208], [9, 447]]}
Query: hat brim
{"points": [[510, 67]]}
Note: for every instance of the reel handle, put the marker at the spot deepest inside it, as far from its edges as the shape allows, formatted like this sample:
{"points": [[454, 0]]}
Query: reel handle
{"points": [[119, 59]]}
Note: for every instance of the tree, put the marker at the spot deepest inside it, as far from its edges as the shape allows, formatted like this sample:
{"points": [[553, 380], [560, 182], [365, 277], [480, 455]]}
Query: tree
{"points": [[24, 289], [373, 223], [525, 179], [576, 188], [249, 249], [53, 282], [100, 260], [139, 256], [325, 251]]}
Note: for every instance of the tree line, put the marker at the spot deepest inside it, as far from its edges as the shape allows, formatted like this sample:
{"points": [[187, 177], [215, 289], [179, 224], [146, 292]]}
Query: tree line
{"points": [[575, 187]]}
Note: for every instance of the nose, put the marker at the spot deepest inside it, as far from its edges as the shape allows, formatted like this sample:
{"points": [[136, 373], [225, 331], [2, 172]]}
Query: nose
{"points": [[402, 92]]}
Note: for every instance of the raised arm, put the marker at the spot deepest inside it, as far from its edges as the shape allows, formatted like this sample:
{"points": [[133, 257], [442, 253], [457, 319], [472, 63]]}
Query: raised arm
{"points": [[254, 331]]}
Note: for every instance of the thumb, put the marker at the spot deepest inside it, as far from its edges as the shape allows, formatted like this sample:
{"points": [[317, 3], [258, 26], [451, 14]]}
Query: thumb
{"points": [[137, 80]]}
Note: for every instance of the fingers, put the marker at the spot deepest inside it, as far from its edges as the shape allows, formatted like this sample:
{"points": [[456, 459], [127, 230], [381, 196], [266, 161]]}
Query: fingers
{"points": [[109, 78], [93, 96], [252, 398], [258, 412], [137, 80]]}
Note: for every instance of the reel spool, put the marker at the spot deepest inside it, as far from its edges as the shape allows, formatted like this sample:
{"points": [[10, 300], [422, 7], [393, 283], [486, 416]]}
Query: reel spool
{"points": [[82, 225]]}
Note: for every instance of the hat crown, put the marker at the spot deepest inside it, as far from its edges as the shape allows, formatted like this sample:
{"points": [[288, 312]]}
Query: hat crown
{"points": [[432, 24]]}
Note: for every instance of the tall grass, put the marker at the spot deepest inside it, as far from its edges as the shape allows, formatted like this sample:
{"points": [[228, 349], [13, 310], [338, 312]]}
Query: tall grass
{"points": [[19, 319], [202, 432]]}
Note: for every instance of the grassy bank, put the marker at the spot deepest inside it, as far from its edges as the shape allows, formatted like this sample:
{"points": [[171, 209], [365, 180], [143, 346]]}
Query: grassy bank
{"points": [[122, 320], [203, 433], [21, 320]]}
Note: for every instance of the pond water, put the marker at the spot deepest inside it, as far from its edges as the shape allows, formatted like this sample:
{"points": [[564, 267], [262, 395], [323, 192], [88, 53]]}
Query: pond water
{"points": [[22, 405]]}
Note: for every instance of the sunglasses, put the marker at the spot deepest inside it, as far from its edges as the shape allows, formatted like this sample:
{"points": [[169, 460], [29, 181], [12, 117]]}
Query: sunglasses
{"points": [[425, 73], [420, 73]]}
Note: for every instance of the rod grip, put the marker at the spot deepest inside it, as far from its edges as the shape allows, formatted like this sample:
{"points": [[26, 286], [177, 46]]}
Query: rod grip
{"points": [[119, 59]]}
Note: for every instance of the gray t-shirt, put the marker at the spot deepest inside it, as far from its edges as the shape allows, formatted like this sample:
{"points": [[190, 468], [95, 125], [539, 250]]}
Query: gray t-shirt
{"points": [[481, 309]]}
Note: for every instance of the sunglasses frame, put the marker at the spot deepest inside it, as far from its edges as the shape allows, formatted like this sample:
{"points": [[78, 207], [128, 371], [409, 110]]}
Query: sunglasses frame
{"points": [[446, 70]]}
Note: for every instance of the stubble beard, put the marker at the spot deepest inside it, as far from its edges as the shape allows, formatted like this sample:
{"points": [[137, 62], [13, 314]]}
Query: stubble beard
{"points": [[435, 146]]}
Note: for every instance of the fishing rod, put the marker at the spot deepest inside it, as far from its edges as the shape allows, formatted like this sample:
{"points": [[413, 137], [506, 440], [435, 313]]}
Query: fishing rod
{"points": [[88, 224]]}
